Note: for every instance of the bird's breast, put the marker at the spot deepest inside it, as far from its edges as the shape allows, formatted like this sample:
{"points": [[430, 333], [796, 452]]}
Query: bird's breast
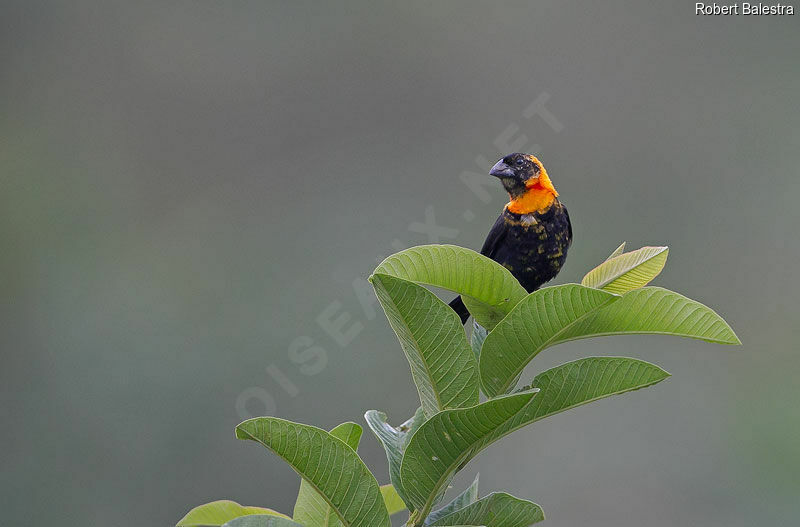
{"points": [[535, 246]]}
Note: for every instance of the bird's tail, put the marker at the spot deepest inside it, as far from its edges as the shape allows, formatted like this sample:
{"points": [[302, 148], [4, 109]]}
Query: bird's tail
{"points": [[458, 306]]}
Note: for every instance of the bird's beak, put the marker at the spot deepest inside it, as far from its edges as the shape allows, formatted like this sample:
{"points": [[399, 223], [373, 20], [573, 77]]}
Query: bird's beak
{"points": [[501, 170]]}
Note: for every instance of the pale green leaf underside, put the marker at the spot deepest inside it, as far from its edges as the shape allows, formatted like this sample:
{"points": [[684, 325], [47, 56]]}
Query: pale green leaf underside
{"points": [[446, 441], [311, 509], [261, 520], [627, 271], [496, 510], [327, 463], [619, 250], [218, 512], [534, 323], [394, 441], [468, 496], [443, 366], [489, 289], [392, 500]]}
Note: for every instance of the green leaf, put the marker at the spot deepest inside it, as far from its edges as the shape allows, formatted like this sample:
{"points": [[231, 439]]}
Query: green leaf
{"points": [[218, 512], [583, 381], [327, 463], [627, 271], [394, 441], [577, 383], [653, 310], [261, 520], [445, 442], [489, 290], [442, 363], [619, 250], [470, 495], [496, 510], [469, 431], [311, 509], [561, 388], [534, 324], [649, 310], [392, 500]]}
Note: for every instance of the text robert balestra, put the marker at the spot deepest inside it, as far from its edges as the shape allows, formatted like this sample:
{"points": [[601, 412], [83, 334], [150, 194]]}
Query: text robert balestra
{"points": [[743, 9]]}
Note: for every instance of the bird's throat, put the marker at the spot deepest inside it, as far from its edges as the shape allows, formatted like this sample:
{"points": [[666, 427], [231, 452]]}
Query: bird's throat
{"points": [[536, 198]]}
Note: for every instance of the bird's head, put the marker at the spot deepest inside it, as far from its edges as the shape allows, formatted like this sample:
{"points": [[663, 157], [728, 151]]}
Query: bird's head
{"points": [[526, 182]]}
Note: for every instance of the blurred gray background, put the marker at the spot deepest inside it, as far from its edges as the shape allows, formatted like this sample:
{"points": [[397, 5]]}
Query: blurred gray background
{"points": [[190, 190]]}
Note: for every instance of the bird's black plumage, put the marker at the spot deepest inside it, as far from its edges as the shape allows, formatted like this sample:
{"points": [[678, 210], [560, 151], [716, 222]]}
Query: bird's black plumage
{"points": [[532, 244]]}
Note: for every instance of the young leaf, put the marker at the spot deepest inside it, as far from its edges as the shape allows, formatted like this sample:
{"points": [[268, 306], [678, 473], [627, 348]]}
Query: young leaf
{"points": [[311, 509], [218, 512], [579, 382], [653, 310], [327, 463], [627, 271], [619, 250], [470, 495], [442, 363], [394, 441], [488, 289], [532, 325], [392, 500], [261, 520], [498, 509], [446, 441]]}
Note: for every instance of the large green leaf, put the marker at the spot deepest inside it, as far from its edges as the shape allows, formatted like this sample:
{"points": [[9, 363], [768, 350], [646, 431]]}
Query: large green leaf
{"points": [[435, 449], [496, 510], [327, 463], [445, 442], [627, 271], [394, 441], [311, 509], [489, 289], [442, 363], [470, 495], [580, 382], [561, 388], [394, 503], [218, 512], [653, 310], [261, 520], [535, 323]]}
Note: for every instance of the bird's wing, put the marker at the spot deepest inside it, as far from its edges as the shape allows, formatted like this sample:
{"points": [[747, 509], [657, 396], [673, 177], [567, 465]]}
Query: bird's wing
{"points": [[569, 223], [494, 238]]}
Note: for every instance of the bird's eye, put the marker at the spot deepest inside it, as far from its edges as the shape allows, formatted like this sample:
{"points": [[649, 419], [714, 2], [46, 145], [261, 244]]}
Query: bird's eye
{"points": [[519, 162]]}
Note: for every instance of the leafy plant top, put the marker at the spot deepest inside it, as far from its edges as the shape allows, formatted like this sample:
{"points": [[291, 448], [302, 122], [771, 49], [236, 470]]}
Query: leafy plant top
{"points": [[451, 370]]}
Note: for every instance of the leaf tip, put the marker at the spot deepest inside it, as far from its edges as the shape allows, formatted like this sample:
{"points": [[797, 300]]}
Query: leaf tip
{"points": [[733, 339], [240, 430]]}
